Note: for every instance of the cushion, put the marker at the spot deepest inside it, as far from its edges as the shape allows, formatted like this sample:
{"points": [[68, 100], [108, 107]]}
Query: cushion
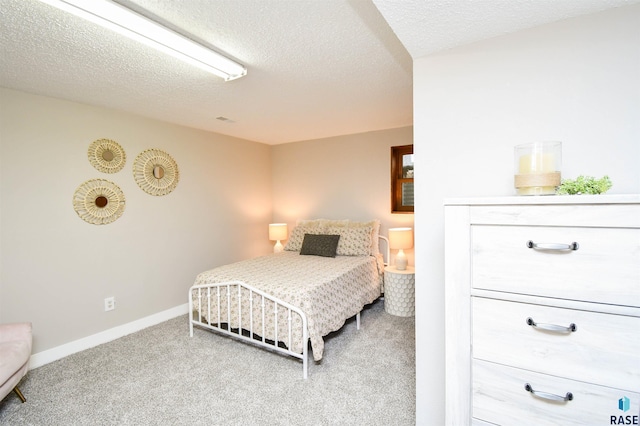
{"points": [[320, 245], [13, 355], [337, 227], [354, 240], [374, 225], [294, 243], [322, 223]]}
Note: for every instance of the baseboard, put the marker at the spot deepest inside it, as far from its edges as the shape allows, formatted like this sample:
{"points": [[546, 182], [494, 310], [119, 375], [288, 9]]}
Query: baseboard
{"points": [[54, 354]]}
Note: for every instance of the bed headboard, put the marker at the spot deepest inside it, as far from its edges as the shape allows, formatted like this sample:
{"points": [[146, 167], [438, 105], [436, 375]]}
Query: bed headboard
{"points": [[384, 249]]}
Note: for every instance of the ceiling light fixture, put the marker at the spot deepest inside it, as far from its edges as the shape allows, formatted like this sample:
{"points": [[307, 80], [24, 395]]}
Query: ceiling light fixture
{"points": [[124, 21]]}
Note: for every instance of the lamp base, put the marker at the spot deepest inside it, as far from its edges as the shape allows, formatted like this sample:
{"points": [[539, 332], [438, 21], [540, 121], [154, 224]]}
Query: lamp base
{"points": [[278, 247], [401, 261]]}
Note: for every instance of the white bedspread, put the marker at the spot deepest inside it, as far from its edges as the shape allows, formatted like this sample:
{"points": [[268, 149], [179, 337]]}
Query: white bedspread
{"points": [[328, 290]]}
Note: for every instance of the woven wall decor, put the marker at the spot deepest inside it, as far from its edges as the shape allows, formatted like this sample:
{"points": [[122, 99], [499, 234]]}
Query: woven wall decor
{"points": [[98, 201], [155, 172], [106, 155]]}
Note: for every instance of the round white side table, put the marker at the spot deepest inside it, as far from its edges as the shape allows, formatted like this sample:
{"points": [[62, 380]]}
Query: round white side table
{"points": [[399, 291]]}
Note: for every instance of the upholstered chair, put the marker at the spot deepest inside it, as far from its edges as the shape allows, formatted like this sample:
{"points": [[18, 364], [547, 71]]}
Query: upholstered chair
{"points": [[15, 351]]}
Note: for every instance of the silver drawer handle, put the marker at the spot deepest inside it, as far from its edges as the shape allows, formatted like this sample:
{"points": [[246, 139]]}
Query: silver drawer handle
{"points": [[548, 396], [553, 246], [552, 327]]}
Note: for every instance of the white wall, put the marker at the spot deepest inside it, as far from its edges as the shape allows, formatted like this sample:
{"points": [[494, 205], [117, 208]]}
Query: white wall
{"points": [[56, 269], [575, 81], [344, 177]]}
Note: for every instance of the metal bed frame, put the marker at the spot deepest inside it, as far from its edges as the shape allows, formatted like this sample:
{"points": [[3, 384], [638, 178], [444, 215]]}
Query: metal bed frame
{"points": [[222, 323]]}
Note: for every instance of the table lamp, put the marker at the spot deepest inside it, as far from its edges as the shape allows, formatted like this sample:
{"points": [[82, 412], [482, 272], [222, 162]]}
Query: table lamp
{"points": [[277, 232], [400, 239]]}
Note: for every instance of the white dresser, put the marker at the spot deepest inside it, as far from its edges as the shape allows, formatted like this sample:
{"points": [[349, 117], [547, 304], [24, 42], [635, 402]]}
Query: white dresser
{"points": [[542, 300]]}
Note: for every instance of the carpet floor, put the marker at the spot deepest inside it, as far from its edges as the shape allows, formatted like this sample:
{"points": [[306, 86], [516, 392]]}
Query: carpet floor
{"points": [[160, 375]]}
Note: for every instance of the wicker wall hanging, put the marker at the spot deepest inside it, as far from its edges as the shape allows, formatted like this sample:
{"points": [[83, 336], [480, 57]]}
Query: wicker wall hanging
{"points": [[155, 172], [107, 156], [98, 201]]}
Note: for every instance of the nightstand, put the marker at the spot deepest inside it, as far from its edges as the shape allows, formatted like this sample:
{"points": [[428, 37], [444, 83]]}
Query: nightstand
{"points": [[399, 291]]}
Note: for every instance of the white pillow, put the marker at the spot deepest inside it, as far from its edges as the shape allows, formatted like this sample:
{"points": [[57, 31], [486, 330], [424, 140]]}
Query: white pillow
{"points": [[354, 241], [375, 231], [294, 243]]}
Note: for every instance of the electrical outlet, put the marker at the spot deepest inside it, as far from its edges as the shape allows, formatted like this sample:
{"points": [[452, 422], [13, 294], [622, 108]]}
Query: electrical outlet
{"points": [[109, 304]]}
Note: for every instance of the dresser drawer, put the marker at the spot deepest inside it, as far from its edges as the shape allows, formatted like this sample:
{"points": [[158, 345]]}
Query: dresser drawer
{"points": [[604, 348], [605, 268], [500, 397]]}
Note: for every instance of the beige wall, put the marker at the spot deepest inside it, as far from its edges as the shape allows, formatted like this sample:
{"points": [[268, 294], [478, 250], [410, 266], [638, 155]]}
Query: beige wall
{"points": [[575, 81], [344, 177], [56, 269]]}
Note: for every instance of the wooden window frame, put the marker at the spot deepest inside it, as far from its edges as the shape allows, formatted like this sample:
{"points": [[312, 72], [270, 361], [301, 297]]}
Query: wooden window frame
{"points": [[397, 152]]}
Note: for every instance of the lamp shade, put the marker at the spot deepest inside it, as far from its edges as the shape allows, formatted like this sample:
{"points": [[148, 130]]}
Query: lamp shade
{"points": [[400, 238], [277, 231]]}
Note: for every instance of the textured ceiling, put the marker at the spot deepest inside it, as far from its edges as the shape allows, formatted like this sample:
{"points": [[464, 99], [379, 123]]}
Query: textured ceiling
{"points": [[429, 26], [316, 68]]}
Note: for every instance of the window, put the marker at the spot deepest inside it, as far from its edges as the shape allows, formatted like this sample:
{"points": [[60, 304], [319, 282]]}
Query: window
{"points": [[402, 179]]}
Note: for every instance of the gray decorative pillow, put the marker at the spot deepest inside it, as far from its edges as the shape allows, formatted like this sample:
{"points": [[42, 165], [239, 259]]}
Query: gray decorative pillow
{"points": [[320, 245]]}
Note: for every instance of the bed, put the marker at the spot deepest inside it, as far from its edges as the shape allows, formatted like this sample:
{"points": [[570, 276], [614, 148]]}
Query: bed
{"points": [[327, 273]]}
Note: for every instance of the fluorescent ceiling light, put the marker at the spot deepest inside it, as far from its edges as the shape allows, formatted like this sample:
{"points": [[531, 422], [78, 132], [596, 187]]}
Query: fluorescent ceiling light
{"points": [[137, 27]]}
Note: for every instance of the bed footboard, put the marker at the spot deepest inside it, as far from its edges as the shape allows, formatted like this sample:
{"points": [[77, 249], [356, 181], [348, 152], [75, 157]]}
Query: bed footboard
{"points": [[220, 307]]}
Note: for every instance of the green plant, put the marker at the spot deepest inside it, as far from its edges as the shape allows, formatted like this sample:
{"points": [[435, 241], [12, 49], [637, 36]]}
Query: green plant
{"points": [[584, 185]]}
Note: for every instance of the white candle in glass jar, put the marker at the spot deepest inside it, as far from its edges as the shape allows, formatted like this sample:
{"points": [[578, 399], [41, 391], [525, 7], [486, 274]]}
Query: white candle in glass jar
{"points": [[541, 159], [537, 163]]}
